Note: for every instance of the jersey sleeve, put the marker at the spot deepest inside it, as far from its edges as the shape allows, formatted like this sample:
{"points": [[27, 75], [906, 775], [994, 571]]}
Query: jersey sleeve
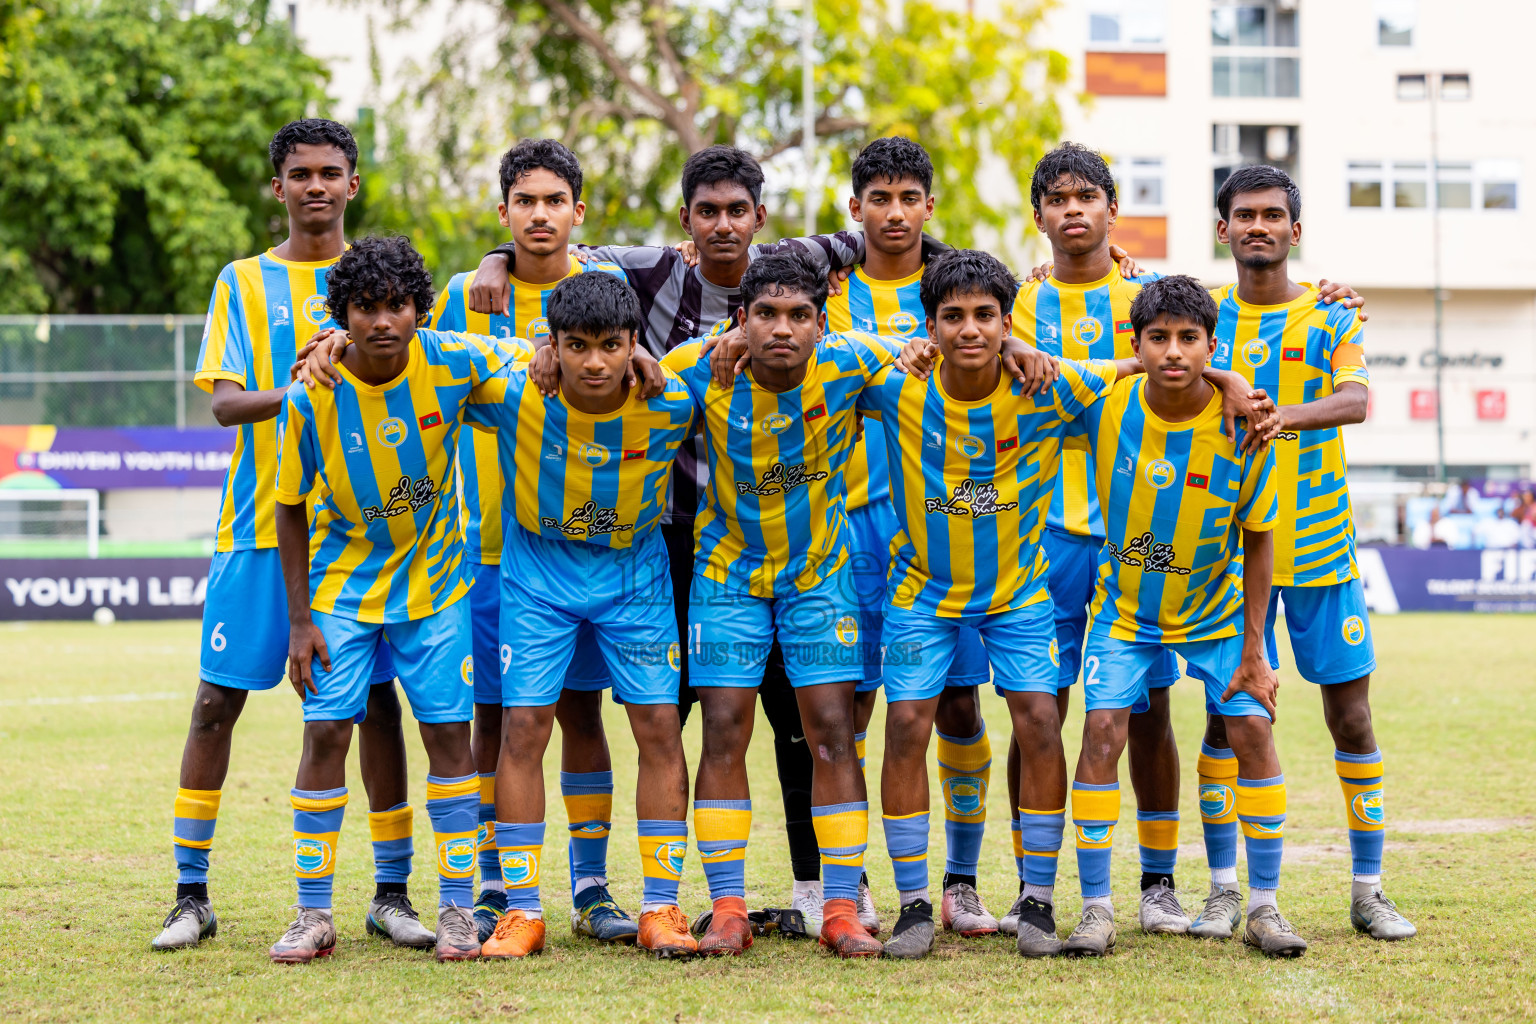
{"points": [[880, 393], [299, 457], [487, 355], [225, 353], [1081, 384], [1258, 499], [487, 403], [448, 312], [831, 252], [873, 351], [691, 367], [1347, 360]]}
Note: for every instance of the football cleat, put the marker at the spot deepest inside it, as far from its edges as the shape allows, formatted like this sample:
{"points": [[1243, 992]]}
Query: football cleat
{"points": [[1219, 917], [1161, 912], [1378, 917], [1036, 929], [1094, 934], [912, 936], [809, 903], [1273, 934], [489, 907], [729, 933], [517, 935], [868, 916], [190, 921], [603, 919], [962, 911], [457, 936], [664, 933], [312, 934], [842, 933], [1008, 924], [392, 916]]}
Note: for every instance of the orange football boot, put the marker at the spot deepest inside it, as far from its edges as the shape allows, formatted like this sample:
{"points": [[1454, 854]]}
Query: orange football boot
{"points": [[665, 933], [729, 933], [517, 935], [842, 933]]}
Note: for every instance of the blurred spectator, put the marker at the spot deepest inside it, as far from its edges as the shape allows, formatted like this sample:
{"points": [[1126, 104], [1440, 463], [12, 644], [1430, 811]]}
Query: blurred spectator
{"points": [[1460, 500], [1500, 531]]}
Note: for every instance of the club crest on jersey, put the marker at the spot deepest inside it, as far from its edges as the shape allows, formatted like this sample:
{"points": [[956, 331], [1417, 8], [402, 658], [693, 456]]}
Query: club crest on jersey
{"points": [[670, 856], [312, 856], [315, 311], [971, 446], [1054, 650], [519, 868], [1160, 473], [1086, 330], [1094, 835], [467, 670], [964, 795], [456, 856], [536, 328], [1256, 352], [1354, 631], [1368, 808], [675, 656], [391, 432], [1216, 800], [776, 423], [847, 631], [902, 323], [592, 453]]}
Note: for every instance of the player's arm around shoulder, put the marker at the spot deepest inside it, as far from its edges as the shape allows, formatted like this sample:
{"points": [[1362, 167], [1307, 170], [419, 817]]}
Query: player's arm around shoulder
{"points": [[1083, 383], [449, 311], [690, 364]]}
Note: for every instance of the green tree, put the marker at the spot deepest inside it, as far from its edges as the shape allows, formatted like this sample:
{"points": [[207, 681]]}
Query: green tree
{"points": [[133, 148], [634, 86]]}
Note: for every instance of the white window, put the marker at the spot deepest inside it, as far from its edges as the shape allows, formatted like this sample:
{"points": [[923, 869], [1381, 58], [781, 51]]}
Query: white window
{"points": [[1498, 184], [1410, 185], [1458, 185], [1365, 180], [1127, 24], [1139, 185], [1395, 20], [1255, 48], [1456, 88]]}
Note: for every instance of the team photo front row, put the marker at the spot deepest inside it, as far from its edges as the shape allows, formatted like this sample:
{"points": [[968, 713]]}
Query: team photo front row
{"points": [[806, 472]]}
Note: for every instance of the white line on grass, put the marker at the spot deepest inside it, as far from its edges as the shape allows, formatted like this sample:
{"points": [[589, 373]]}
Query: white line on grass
{"points": [[114, 698]]}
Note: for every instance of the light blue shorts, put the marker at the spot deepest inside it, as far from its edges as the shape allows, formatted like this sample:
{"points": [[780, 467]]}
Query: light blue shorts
{"points": [[551, 589], [588, 671], [1117, 673], [432, 655], [245, 623], [871, 528], [1330, 631], [731, 632], [922, 648], [1073, 574]]}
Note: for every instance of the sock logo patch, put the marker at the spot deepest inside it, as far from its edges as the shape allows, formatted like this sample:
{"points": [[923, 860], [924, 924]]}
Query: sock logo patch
{"points": [[1266, 828], [313, 856], [709, 854], [670, 856], [1354, 631], [456, 856], [1368, 807], [1215, 800], [1094, 835], [964, 794], [591, 828], [519, 868]]}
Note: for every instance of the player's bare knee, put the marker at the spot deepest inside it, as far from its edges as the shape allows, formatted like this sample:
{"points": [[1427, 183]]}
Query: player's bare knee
{"points": [[384, 706], [1104, 736], [1347, 710], [959, 712], [1216, 732], [327, 741], [907, 728], [580, 711], [1252, 739], [216, 708]]}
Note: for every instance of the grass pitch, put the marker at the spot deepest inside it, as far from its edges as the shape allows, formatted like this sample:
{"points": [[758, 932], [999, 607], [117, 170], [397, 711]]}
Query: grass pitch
{"points": [[91, 726]]}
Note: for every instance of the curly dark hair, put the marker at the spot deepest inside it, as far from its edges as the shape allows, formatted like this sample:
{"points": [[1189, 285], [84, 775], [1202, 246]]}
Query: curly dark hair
{"points": [[781, 273], [891, 159], [966, 272], [1178, 297], [722, 163], [531, 154], [594, 302], [375, 269], [1258, 178], [311, 131], [1084, 165]]}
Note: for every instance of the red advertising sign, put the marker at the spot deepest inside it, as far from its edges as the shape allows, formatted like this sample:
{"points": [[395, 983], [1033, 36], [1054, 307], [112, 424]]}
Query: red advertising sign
{"points": [[1491, 404], [1422, 404]]}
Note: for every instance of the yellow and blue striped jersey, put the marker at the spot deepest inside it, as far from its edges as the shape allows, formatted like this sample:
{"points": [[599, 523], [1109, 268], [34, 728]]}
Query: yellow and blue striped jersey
{"points": [[893, 309], [574, 476], [387, 544], [1296, 353], [480, 475], [1176, 497], [771, 521], [971, 484], [1078, 321], [263, 310]]}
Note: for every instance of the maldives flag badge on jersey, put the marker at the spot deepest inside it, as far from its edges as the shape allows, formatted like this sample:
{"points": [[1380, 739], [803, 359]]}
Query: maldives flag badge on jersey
{"points": [[1291, 355], [633, 453], [431, 419], [1125, 327], [1005, 444], [1199, 480], [815, 412]]}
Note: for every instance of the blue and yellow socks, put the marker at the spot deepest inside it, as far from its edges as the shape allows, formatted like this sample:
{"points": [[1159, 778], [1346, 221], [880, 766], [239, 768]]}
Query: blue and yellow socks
{"points": [[452, 804], [485, 837], [663, 846], [1095, 812], [317, 815], [842, 833], [588, 800], [1261, 813], [906, 840], [192, 823], [859, 745], [721, 828], [1360, 777], [965, 770], [1038, 849], [1218, 812], [393, 847], [1018, 844], [1157, 832], [519, 846]]}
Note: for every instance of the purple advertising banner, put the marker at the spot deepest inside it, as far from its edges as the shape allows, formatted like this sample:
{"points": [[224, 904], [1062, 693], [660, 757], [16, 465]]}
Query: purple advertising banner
{"points": [[111, 457], [74, 588], [1441, 580]]}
